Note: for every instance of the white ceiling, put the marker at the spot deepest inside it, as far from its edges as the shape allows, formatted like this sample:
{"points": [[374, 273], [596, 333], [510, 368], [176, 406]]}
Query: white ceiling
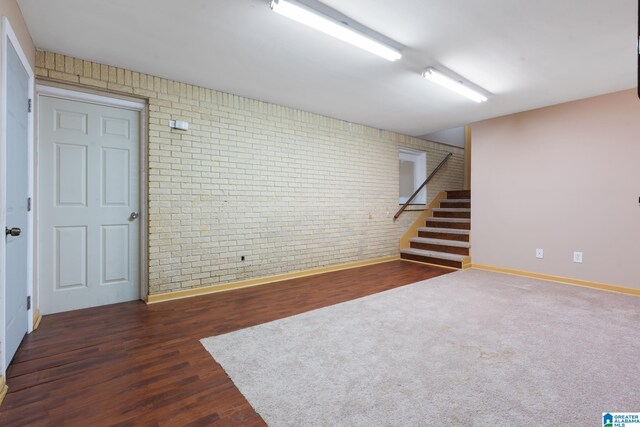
{"points": [[527, 53]]}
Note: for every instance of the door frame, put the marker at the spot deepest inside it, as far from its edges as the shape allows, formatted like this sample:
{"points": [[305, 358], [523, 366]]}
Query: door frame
{"points": [[9, 36], [74, 93], [420, 158]]}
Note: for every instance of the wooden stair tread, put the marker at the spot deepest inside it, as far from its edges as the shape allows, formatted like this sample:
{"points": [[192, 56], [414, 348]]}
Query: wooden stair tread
{"points": [[452, 209], [456, 200], [439, 219], [442, 242], [434, 254], [443, 230]]}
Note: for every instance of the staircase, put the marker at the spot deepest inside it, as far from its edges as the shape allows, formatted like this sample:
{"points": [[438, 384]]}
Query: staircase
{"points": [[445, 239]]}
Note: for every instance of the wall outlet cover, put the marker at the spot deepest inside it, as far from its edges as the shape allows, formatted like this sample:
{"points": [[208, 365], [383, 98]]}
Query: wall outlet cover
{"points": [[577, 257], [539, 253]]}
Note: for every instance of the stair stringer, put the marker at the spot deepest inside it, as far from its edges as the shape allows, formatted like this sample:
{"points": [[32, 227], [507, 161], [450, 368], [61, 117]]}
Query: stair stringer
{"points": [[412, 231]]}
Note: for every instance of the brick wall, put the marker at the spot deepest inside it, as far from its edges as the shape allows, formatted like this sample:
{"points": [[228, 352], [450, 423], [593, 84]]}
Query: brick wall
{"points": [[287, 189]]}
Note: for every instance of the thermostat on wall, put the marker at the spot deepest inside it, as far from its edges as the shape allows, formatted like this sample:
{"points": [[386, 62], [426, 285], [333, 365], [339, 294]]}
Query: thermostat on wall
{"points": [[178, 124]]}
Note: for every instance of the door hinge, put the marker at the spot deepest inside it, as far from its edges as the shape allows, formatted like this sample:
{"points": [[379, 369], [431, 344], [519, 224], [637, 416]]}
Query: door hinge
{"points": [[28, 204], [28, 303], [29, 108]]}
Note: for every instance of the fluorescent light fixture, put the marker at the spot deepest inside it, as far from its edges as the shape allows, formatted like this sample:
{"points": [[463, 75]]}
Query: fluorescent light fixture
{"points": [[452, 84], [332, 27]]}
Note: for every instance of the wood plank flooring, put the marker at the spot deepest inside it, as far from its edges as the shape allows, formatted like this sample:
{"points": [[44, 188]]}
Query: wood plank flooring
{"points": [[132, 364]]}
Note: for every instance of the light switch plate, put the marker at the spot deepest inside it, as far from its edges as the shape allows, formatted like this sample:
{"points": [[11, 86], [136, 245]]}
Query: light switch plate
{"points": [[178, 124]]}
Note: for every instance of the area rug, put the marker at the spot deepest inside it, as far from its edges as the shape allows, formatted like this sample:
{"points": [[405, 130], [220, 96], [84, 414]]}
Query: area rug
{"points": [[470, 348]]}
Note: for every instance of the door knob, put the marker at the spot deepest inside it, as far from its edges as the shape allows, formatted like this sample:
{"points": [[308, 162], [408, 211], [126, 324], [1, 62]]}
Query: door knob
{"points": [[15, 231], [134, 215]]}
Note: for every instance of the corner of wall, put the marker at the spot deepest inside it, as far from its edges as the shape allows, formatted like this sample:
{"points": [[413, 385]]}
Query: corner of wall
{"points": [[11, 10]]}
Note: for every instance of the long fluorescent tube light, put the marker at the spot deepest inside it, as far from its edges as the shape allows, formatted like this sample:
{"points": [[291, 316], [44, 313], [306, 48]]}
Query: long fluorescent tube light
{"points": [[325, 24], [445, 81]]}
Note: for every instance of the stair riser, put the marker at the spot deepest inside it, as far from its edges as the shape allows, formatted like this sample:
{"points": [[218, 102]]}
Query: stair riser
{"points": [[454, 225], [452, 204], [459, 194], [444, 236], [452, 214], [441, 248], [435, 261]]}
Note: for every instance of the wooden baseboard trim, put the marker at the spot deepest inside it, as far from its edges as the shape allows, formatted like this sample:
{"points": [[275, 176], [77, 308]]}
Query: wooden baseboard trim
{"points": [[430, 264], [170, 296], [3, 389], [559, 279], [466, 264], [37, 317]]}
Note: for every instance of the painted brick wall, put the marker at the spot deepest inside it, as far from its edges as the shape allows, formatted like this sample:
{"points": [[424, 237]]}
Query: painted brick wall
{"points": [[289, 190]]}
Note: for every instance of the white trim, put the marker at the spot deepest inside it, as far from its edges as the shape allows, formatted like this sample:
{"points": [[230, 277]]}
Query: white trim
{"points": [[140, 106], [3, 191], [57, 92], [144, 202], [8, 36]]}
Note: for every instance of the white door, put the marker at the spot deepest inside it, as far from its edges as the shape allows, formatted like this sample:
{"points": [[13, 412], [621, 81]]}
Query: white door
{"points": [[88, 160], [17, 233]]}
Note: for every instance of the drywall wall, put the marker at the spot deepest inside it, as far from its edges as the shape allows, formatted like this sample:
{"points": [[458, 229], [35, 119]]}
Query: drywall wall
{"points": [[286, 189], [563, 178], [11, 10], [453, 136]]}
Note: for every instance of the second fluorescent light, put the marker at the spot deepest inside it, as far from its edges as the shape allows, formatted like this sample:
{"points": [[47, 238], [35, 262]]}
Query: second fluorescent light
{"points": [[332, 27], [452, 84]]}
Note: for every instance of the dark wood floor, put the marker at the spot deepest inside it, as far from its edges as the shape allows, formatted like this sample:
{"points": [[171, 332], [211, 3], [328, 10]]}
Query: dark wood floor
{"points": [[132, 364]]}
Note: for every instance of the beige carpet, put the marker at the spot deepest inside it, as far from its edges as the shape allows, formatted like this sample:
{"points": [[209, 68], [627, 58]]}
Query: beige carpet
{"points": [[469, 348]]}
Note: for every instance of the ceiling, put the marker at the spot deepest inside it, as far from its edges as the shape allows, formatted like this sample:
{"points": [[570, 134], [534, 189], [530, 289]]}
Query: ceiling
{"points": [[527, 54]]}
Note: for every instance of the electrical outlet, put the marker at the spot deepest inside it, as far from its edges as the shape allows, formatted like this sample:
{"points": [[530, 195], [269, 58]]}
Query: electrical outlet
{"points": [[577, 257], [539, 253]]}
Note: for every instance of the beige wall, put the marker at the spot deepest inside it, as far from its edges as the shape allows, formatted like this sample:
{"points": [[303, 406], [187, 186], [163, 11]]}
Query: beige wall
{"points": [[287, 189], [561, 178], [11, 10]]}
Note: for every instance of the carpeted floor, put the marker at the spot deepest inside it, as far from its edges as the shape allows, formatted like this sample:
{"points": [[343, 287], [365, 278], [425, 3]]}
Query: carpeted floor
{"points": [[470, 348]]}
